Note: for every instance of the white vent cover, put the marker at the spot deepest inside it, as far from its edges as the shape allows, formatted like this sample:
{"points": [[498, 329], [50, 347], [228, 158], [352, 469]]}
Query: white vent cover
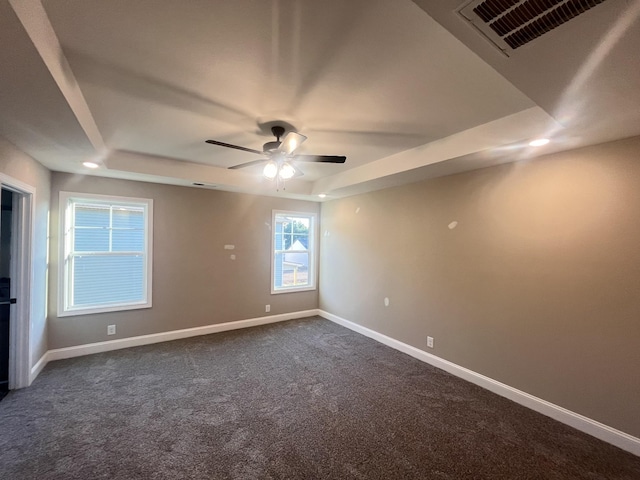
{"points": [[509, 24]]}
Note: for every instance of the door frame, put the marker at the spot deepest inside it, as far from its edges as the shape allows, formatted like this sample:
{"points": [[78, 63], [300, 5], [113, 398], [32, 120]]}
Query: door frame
{"points": [[23, 221]]}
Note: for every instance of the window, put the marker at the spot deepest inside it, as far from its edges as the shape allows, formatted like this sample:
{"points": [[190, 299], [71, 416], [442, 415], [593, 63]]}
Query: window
{"points": [[294, 255], [106, 253]]}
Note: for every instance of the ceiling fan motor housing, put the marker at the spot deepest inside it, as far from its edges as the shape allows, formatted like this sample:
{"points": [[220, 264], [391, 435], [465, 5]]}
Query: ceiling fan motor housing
{"points": [[278, 132], [270, 147]]}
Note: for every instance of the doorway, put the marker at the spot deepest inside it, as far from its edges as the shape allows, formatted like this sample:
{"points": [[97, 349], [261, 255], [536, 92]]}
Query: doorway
{"points": [[17, 202], [6, 223]]}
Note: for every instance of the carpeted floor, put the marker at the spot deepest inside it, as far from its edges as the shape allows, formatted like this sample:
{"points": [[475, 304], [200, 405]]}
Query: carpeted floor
{"points": [[305, 399]]}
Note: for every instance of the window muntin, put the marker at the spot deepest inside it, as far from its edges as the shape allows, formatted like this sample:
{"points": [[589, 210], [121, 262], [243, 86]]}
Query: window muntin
{"points": [[106, 254], [293, 249]]}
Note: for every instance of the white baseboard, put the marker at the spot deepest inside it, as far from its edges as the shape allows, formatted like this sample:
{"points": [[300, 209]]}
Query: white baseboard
{"points": [[580, 422], [91, 348], [37, 368]]}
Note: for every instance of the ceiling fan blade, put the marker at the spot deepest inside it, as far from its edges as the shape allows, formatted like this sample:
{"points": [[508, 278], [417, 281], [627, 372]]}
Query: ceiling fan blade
{"points": [[248, 164], [298, 173], [228, 145], [291, 141], [320, 158]]}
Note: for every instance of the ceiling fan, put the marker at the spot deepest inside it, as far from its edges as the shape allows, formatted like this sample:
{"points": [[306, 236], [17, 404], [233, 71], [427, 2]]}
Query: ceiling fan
{"points": [[279, 155]]}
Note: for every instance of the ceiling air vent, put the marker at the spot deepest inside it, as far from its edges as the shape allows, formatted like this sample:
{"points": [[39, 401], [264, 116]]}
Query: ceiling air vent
{"points": [[509, 24]]}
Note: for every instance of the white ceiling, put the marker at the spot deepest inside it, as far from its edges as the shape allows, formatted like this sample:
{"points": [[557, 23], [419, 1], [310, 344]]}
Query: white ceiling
{"points": [[405, 90]]}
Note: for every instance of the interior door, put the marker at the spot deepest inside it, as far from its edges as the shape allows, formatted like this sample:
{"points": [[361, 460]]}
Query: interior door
{"points": [[6, 202]]}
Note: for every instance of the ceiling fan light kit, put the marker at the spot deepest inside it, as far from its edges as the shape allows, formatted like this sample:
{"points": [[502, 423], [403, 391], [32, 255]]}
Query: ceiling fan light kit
{"points": [[280, 159], [270, 170], [286, 171]]}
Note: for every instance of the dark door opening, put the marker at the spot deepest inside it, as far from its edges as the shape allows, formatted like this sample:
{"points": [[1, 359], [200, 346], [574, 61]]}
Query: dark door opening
{"points": [[6, 221]]}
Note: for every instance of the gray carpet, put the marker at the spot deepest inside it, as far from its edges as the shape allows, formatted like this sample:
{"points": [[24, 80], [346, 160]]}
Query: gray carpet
{"points": [[304, 399]]}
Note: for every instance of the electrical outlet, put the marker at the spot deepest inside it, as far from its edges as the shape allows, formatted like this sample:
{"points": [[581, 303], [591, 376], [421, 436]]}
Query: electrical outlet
{"points": [[267, 308], [111, 329], [430, 342]]}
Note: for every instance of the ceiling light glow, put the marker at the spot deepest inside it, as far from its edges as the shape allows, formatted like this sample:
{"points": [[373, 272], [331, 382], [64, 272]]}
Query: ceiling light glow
{"points": [[270, 170], [539, 142], [90, 164], [322, 195], [287, 171]]}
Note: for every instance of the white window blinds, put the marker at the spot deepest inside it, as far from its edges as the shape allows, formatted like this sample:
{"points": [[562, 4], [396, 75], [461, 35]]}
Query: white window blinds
{"points": [[107, 249]]}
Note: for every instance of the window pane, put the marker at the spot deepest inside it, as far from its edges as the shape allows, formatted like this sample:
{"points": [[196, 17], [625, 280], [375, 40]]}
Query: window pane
{"points": [[127, 217], [127, 240], [295, 269], [279, 242], [300, 234], [300, 242], [91, 240], [107, 280], [277, 273], [91, 215], [301, 224]]}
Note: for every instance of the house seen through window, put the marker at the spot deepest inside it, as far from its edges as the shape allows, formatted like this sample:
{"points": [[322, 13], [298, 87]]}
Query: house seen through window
{"points": [[293, 251]]}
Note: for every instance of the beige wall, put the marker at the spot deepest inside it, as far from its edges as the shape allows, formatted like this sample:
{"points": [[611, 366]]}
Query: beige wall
{"points": [[195, 282], [537, 286], [23, 168]]}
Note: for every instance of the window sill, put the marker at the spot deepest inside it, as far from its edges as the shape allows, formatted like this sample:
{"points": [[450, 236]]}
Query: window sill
{"points": [[292, 290], [94, 310]]}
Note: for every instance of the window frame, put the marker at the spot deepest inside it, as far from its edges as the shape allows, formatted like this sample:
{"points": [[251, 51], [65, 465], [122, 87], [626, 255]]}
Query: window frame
{"points": [[312, 248], [64, 286]]}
